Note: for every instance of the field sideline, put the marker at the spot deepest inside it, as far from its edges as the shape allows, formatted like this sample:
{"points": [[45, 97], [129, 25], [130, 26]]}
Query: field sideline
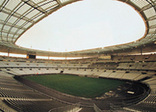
{"points": [[75, 85]]}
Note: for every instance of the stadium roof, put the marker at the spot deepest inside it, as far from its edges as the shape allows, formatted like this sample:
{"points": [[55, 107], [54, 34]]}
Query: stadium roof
{"points": [[17, 16]]}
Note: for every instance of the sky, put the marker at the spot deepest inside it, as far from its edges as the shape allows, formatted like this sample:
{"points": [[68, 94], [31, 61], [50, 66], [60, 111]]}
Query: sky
{"points": [[84, 25]]}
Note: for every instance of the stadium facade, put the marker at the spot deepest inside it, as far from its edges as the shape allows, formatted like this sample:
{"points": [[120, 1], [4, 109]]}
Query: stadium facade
{"points": [[116, 62]]}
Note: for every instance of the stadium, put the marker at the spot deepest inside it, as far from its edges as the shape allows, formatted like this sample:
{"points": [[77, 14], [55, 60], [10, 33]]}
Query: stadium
{"points": [[120, 78]]}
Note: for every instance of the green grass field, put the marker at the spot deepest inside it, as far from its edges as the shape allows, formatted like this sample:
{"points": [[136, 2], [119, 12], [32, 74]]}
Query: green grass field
{"points": [[75, 85]]}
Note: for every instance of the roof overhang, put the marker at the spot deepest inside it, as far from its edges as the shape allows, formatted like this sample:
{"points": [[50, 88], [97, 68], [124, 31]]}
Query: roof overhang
{"points": [[17, 16]]}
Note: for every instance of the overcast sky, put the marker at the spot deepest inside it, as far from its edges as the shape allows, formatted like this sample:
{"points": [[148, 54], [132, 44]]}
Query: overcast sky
{"points": [[84, 25]]}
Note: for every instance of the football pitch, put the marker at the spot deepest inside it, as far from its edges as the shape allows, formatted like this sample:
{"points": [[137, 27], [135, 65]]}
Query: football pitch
{"points": [[76, 85]]}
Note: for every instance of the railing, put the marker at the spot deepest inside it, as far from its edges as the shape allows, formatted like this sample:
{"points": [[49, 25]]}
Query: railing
{"points": [[97, 109], [69, 108]]}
